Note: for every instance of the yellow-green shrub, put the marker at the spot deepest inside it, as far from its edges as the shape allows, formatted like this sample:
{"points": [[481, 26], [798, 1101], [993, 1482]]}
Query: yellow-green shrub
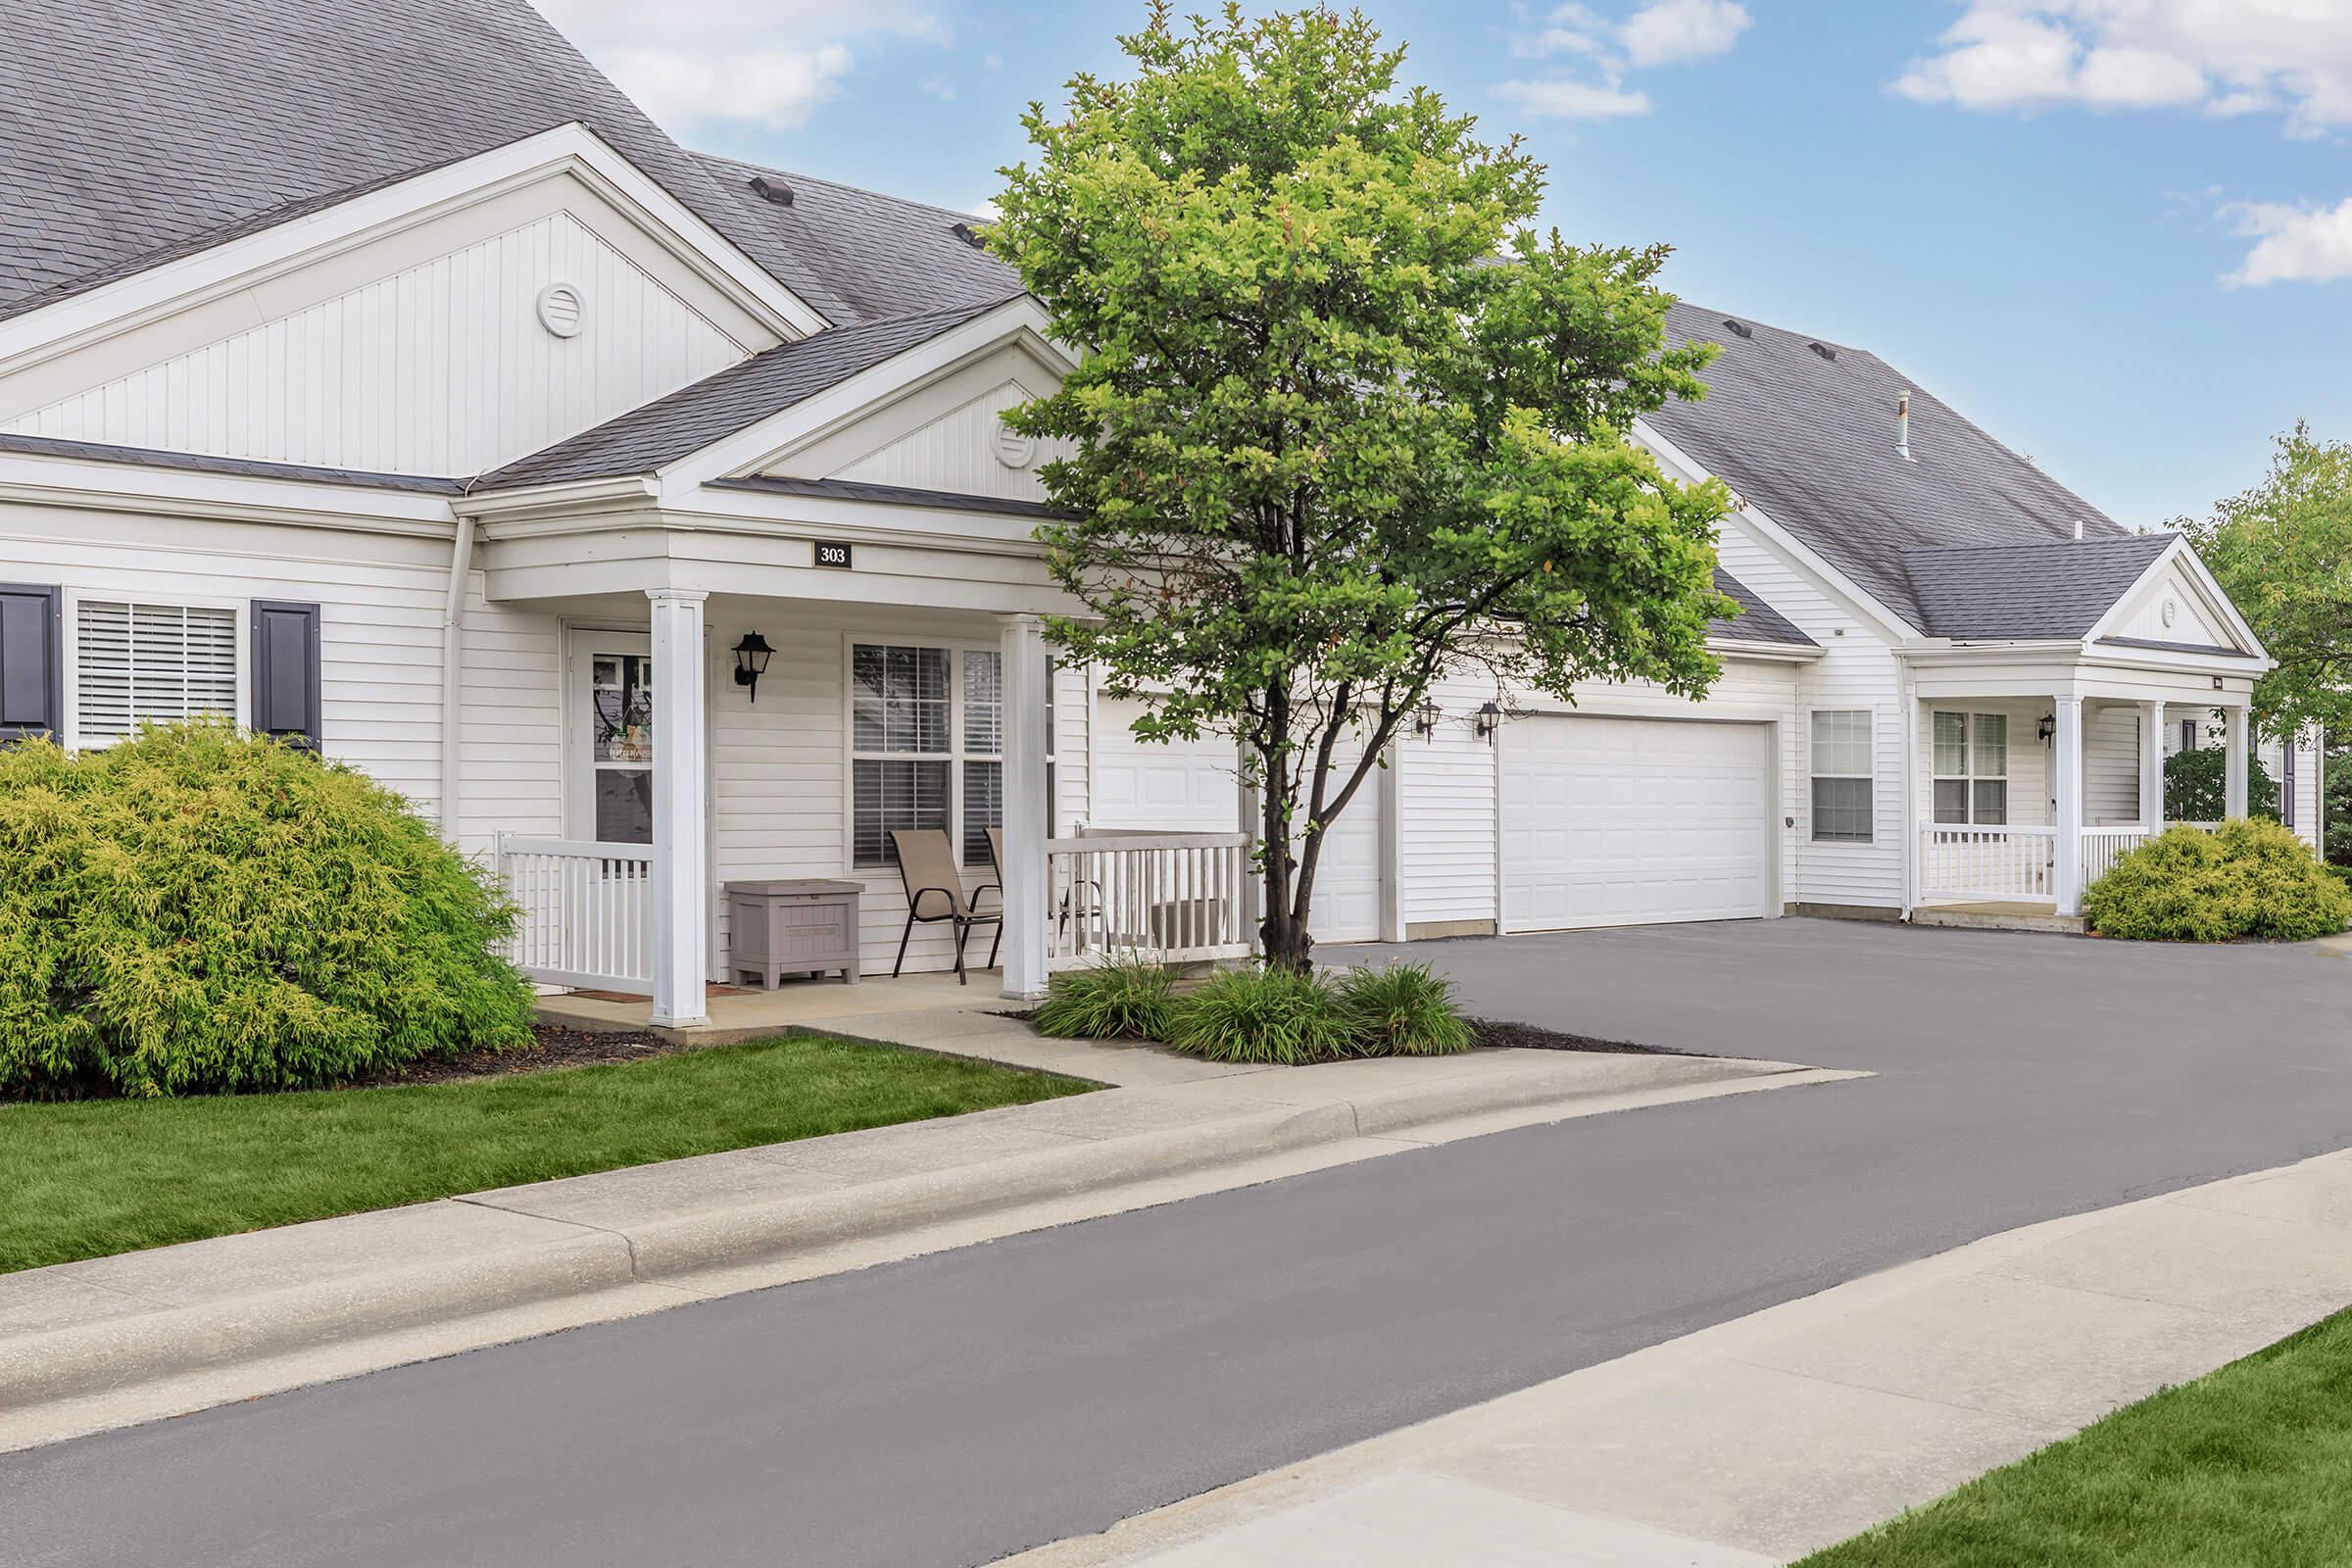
{"points": [[195, 911], [2243, 879]]}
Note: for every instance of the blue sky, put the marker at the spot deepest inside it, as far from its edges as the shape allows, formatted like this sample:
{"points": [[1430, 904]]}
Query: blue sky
{"points": [[2117, 233]]}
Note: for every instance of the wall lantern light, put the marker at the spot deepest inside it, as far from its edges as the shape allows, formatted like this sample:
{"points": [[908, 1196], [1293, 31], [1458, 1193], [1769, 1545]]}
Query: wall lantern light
{"points": [[1487, 720], [751, 661], [2048, 730], [1425, 719]]}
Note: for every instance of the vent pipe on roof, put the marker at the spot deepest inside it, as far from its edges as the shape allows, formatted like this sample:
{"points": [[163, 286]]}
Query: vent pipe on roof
{"points": [[771, 191], [2078, 530], [1902, 424]]}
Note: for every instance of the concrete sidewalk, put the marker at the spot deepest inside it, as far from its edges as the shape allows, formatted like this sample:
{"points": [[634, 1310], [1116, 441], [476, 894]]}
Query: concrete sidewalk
{"points": [[118, 1339], [1763, 1439]]}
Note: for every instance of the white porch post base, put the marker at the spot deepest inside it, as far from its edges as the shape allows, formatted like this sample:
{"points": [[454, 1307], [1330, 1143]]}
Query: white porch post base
{"points": [[682, 833], [2234, 788], [2151, 767], [2066, 787], [1024, 645]]}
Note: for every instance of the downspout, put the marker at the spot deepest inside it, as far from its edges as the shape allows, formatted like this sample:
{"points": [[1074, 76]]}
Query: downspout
{"points": [[453, 634]]}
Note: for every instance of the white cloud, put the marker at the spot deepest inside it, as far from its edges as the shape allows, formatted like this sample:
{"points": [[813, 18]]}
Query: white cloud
{"points": [[1665, 32], [1658, 32], [2221, 57], [696, 63], [1572, 100], [939, 87], [2293, 244]]}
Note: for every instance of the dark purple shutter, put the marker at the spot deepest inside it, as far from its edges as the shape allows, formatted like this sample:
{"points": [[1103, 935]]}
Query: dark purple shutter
{"points": [[2286, 786], [285, 672], [2189, 734], [31, 663]]}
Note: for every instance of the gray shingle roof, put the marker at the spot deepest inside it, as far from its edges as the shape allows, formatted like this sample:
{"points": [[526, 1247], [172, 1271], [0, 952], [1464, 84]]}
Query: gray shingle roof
{"points": [[133, 132], [2037, 590], [1811, 441], [1757, 621], [661, 432], [865, 254]]}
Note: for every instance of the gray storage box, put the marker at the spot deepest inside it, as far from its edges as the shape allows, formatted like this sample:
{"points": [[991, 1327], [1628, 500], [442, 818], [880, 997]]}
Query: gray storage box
{"points": [[805, 927]]}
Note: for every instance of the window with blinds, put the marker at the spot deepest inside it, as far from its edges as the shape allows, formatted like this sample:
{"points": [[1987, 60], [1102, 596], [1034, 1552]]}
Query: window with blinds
{"points": [[927, 747], [139, 662]]}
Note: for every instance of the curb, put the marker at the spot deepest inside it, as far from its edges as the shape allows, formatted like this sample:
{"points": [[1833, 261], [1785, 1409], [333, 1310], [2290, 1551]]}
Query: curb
{"points": [[119, 1356]]}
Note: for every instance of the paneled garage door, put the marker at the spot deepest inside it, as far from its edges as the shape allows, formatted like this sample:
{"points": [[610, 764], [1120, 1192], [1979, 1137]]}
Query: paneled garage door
{"points": [[1630, 821], [1191, 789]]}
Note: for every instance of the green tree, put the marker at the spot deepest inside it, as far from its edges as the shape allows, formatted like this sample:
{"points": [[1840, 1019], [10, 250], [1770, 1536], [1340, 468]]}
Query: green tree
{"points": [[2335, 805], [1343, 421], [2284, 552], [2196, 786]]}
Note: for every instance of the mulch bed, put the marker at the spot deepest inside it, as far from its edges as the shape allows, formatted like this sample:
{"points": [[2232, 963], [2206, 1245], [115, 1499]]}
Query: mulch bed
{"points": [[555, 1047], [1492, 1034]]}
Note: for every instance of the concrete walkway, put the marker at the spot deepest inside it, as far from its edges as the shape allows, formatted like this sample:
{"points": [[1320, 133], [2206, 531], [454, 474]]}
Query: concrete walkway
{"points": [[119, 1339], [1765, 1438]]}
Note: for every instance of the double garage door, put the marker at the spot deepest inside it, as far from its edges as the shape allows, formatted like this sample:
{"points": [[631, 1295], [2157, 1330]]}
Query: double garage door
{"points": [[1631, 822], [1182, 788]]}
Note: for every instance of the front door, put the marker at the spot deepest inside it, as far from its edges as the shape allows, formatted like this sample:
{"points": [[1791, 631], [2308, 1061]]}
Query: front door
{"points": [[611, 797]]}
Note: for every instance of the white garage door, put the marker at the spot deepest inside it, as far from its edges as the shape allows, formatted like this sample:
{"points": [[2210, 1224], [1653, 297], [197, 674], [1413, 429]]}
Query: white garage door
{"points": [[1347, 903], [1181, 788], [1627, 821], [1148, 787]]}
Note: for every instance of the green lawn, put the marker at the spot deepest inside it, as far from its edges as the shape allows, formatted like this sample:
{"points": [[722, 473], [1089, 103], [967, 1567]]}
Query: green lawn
{"points": [[2251, 1467], [88, 1179]]}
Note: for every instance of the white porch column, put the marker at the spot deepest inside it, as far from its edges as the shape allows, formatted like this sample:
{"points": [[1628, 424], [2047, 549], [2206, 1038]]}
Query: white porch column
{"points": [[2066, 787], [2151, 767], [2235, 787], [681, 830], [1023, 643]]}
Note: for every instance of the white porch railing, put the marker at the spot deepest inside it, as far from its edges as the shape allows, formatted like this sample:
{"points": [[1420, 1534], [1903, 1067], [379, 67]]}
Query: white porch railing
{"points": [[1987, 863], [2102, 847], [587, 912], [1172, 898]]}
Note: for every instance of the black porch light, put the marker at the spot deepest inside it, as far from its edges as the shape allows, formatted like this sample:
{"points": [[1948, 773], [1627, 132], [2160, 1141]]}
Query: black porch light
{"points": [[1425, 719], [751, 661], [1488, 720], [2048, 730]]}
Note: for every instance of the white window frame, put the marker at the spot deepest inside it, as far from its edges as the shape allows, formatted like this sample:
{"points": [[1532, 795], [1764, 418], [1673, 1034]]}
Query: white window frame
{"points": [[1812, 814], [957, 648], [1969, 774], [240, 618]]}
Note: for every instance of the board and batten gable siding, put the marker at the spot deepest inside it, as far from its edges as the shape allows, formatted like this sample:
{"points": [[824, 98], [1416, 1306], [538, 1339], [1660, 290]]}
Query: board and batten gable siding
{"points": [[441, 368], [1856, 671], [380, 598]]}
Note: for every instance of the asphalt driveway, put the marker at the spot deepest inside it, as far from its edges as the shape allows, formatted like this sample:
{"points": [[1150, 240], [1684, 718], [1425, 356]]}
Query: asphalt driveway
{"points": [[951, 1409]]}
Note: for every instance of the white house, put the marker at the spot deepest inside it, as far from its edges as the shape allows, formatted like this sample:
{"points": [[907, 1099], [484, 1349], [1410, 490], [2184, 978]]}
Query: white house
{"points": [[393, 382]]}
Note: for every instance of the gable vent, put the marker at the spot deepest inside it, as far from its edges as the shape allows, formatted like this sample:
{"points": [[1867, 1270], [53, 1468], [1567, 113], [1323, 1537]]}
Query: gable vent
{"points": [[771, 191], [968, 234], [1824, 350], [1740, 327]]}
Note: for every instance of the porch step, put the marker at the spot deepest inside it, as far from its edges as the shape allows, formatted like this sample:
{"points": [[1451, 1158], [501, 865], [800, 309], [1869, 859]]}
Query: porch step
{"points": [[1998, 917]]}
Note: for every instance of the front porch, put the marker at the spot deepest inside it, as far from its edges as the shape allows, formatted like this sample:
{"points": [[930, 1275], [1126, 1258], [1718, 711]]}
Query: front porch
{"points": [[2026, 802]]}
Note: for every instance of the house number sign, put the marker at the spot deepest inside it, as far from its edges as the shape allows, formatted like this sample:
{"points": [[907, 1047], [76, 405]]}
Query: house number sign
{"points": [[832, 553]]}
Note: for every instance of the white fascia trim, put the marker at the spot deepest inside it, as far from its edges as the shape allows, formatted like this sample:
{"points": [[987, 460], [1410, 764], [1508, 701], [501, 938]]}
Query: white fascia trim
{"points": [[247, 259], [1020, 321], [568, 498], [237, 498], [1859, 600], [2181, 553], [1785, 653]]}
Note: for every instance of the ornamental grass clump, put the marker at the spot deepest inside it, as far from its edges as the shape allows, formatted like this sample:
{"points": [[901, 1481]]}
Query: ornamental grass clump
{"points": [[1403, 1009], [2246, 878], [193, 911], [1113, 1000], [1262, 1013]]}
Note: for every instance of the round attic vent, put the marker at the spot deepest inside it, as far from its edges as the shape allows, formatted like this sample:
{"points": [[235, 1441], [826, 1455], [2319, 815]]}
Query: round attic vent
{"points": [[562, 309], [1014, 449]]}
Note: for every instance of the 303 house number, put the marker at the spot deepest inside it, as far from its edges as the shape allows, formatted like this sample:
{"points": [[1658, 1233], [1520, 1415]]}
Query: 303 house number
{"points": [[832, 553]]}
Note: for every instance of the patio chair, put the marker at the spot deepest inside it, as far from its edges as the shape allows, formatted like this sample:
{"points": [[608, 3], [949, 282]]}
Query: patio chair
{"points": [[934, 886]]}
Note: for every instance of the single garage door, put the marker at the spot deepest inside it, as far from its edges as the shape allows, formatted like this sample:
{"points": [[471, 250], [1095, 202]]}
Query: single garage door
{"points": [[1630, 821], [1147, 786]]}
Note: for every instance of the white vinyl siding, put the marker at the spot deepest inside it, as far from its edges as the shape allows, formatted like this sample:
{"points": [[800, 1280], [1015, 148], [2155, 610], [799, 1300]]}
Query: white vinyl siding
{"points": [[138, 662], [1845, 783]]}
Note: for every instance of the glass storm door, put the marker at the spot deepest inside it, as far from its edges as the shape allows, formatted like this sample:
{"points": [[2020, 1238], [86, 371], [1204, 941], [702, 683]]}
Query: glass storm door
{"points": [[613, 728]]}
